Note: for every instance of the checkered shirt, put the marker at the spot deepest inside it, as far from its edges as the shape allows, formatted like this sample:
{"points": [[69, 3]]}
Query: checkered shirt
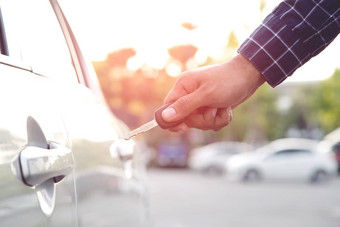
{"points": [[292, 34]]}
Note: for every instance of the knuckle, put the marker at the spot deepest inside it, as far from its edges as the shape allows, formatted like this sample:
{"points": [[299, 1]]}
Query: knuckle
{"points": [[182, 103], [223, 119]]}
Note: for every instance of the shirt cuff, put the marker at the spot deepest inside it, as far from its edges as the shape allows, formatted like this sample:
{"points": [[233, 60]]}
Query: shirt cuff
{"points": [[274, 50]]}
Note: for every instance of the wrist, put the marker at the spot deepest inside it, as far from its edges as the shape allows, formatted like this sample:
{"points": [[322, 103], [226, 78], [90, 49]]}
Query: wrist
{"points": [[253, 76]]}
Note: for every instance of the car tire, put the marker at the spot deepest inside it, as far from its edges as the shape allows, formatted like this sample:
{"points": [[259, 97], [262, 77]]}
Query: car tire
{"points": [[320, 176], [252, 175]]}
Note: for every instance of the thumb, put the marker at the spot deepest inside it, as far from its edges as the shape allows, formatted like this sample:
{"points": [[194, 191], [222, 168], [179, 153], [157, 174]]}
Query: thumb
{"points": [[181, 108]]}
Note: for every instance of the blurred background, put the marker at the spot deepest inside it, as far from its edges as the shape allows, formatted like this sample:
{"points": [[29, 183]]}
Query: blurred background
{"points": [[139, 48]]}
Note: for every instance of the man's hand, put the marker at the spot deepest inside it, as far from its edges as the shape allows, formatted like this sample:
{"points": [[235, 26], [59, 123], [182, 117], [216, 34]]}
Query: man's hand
{"points": [[204, 97]]}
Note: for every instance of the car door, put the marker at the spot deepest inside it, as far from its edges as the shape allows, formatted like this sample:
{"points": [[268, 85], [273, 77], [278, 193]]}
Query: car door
{"points": [[46, 97], [288, 164], [37, 181], [110, 171]]}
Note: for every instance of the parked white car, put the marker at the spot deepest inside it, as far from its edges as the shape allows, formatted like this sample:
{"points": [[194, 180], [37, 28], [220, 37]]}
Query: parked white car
{"points": [[284, 159], [333, 138], [212, 157]]}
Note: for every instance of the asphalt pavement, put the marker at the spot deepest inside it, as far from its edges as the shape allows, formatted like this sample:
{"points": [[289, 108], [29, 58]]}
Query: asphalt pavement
{"points": [[183, 198]]}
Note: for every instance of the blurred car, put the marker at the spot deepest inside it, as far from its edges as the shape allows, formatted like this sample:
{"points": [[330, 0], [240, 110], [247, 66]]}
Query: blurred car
{"points": [[172, 152], [63, 159], [284, 159], [333, 138], [212, 157]]}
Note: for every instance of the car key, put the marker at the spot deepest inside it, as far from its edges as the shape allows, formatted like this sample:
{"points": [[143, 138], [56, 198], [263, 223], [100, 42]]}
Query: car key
{"points": [[157, 121]]}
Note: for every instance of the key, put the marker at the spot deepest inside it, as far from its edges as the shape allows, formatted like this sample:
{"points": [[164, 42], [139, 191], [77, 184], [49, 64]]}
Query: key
{"points": [[158, 121]]}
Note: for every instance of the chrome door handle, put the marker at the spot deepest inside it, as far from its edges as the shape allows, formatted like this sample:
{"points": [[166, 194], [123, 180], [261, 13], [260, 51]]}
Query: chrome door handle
{"points": [[39, 160], [37, 165], [40, 164], [124, 150]]}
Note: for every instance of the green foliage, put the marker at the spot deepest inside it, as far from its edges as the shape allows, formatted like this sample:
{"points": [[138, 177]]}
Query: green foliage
{"points": [[233, 40], [256, 119], [315, 105], [263, 4], [324, 103]]}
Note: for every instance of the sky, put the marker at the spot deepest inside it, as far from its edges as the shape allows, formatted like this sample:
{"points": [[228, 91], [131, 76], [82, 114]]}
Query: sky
{"points": [[153, 26]]}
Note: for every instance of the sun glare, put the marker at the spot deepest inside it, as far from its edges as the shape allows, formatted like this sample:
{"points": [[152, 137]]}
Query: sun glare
{"points": [[151, 27]]}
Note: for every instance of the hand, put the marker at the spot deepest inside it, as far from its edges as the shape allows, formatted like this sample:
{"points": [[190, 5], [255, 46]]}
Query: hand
{"points": [[204, 97]]}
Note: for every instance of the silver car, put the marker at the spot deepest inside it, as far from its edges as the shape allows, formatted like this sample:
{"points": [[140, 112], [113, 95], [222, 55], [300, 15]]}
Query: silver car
{"points": [[211, 158], [284, 159], [63, 159]]}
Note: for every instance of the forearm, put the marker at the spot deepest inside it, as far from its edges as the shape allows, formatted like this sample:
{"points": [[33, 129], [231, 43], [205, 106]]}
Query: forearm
{"points": [[296, 31]]}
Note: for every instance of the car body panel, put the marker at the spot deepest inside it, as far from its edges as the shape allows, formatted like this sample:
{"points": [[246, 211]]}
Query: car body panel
{"points": [[20, 100], [285, 166], [107, 186], [215, 155]]}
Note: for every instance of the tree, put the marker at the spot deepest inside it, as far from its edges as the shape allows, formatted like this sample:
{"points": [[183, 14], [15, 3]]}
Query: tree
{"points": [[233, 41], [255, 120], [183, 53], [325, 103]]}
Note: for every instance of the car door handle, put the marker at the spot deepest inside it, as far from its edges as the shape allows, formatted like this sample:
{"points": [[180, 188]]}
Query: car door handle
{"points": [[40, 160], [37, 165], [40, 164], [124, 150]]}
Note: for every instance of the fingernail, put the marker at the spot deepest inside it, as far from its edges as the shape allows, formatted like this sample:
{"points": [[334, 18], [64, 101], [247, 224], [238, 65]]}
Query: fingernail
{"points": [[168, 114]]}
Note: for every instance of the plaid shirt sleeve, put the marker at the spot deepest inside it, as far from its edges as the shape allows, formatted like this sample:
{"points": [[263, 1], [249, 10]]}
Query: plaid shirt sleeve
{"points": [[292, 34]]}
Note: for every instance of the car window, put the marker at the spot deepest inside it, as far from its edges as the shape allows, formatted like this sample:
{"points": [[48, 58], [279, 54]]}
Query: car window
{"points": [[290, 152], [3, 41], [227, 152], [336, 147], [35, 37]]}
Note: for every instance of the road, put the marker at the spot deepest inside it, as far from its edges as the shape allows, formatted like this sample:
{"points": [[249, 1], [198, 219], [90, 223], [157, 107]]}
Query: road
{"points": [[183, 198]]}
